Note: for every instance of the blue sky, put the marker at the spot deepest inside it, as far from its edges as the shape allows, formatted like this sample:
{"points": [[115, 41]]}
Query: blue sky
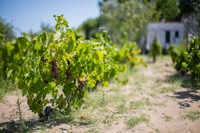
{"points": [[27, 15]]}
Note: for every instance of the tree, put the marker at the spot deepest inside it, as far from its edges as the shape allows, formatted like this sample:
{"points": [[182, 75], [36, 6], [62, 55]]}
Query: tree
{"points": [[6, 30], [6, 34], [125, 19], [196, 6], [185, 6], [167, 9], [90, 27], [190, 14]]}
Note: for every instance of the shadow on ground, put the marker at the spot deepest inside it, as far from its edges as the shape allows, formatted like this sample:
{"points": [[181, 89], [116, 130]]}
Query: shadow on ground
{"points": [[36, 124], [185, 80], [187, 95], [26, 126]]}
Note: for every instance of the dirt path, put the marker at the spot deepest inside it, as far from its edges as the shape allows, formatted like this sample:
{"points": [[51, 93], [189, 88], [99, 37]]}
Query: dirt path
{"points": [[154, 100]]}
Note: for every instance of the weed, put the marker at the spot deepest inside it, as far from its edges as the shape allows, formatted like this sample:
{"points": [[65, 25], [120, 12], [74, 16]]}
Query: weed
{"points": [[19, 109], [102, 101], [66, 116], [137, 120], [168, 89], [184, 81], [22, 124], [109, 119], [23, 127], [193, 115], [174, 78], [121, 108], [136, 104], [5, 87], [87, 119], [167, 118], [116, 98], [96, 99]]}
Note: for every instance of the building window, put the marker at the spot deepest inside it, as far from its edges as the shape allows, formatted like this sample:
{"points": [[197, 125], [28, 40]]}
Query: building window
{"points": [[176, 34], [167, 37]]}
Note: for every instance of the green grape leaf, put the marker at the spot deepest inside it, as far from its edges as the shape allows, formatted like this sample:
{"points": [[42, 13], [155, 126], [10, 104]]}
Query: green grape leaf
{"points": [[100, 55], [9, 48]]}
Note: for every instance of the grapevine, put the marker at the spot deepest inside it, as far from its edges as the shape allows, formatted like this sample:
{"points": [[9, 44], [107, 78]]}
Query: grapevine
{"points": [[187, 61], [56, 69]]}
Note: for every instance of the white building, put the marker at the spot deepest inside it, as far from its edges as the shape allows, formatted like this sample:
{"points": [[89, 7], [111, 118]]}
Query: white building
{"points": [[166, 33]]}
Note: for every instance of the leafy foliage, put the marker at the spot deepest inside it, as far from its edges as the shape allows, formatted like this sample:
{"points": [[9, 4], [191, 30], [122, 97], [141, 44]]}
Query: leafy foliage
{"points": [[125, 19], [155, 49], [167, 9], [187, 60], [128, 53], [63, 67], [177, 56], [56, 68], [6, 30], [11, 53], [90, 27]]}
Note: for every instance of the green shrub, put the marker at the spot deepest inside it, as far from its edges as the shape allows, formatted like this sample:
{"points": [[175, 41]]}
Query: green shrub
{"points": [[128, 54], [155, 49], [187, 60]]}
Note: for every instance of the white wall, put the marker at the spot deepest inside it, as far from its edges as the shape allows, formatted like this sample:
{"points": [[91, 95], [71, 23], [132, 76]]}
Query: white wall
{"points": [[158, 30]]}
